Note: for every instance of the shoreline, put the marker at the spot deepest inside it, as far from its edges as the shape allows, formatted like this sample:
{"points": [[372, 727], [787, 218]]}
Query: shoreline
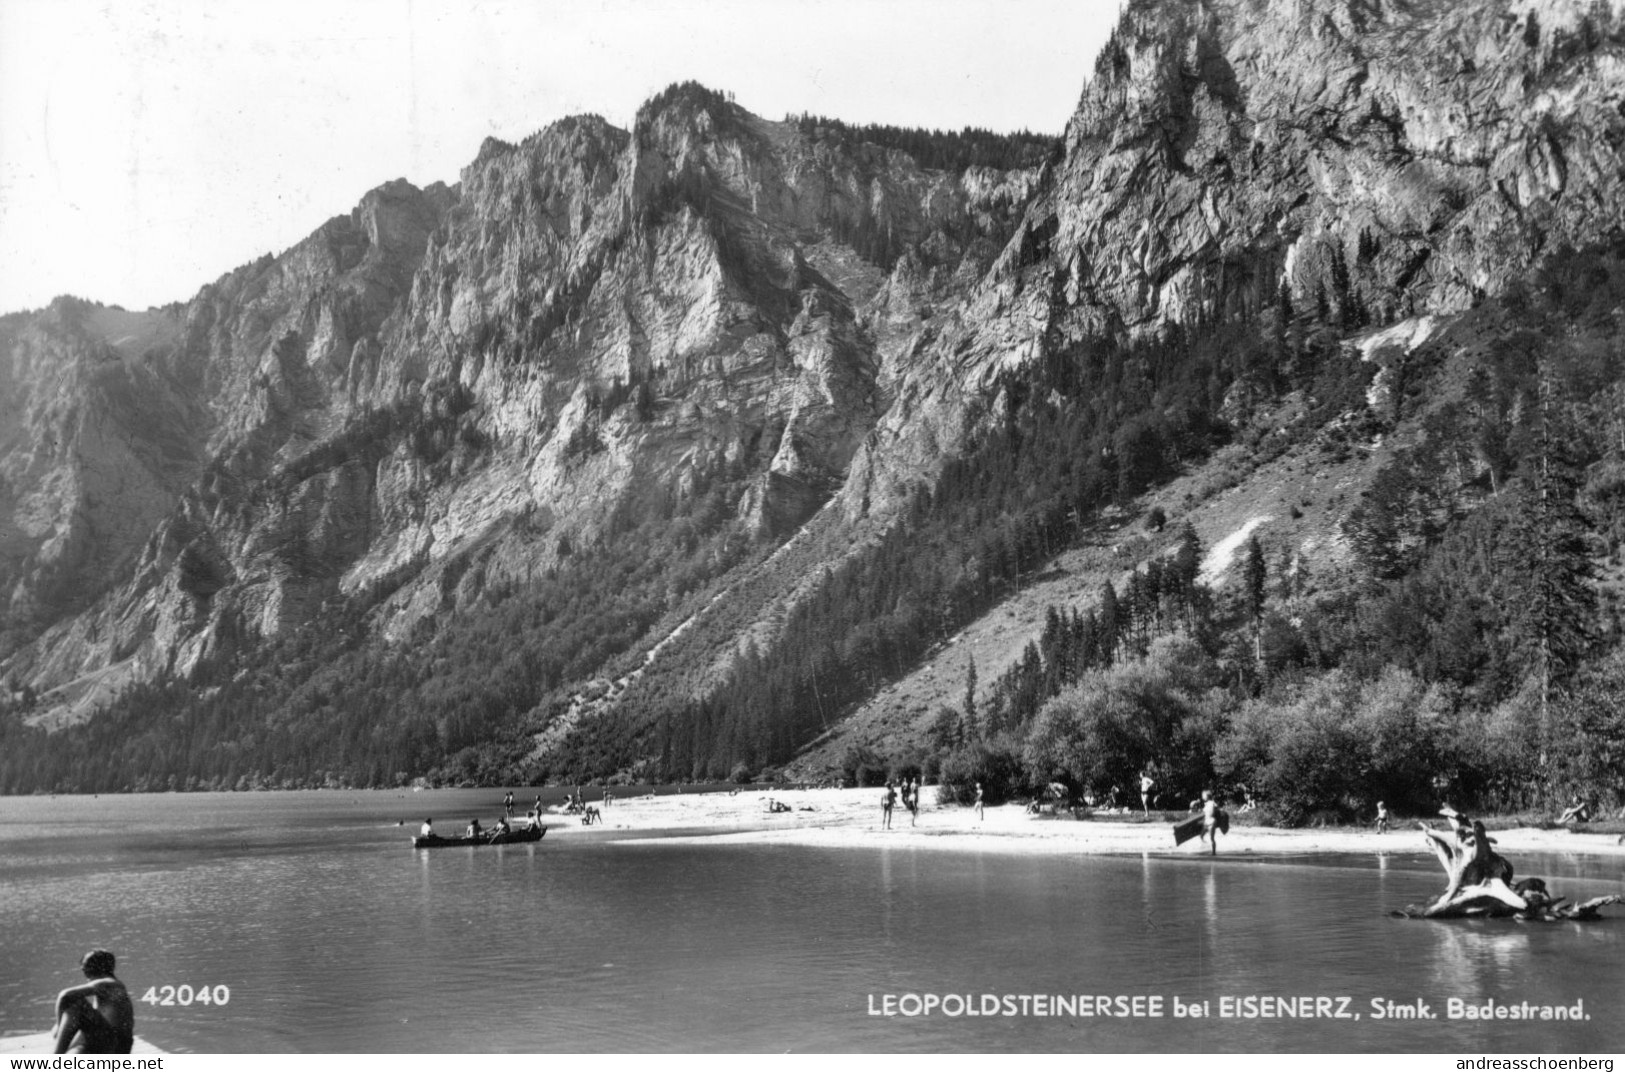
{"points": [[852, 817]]}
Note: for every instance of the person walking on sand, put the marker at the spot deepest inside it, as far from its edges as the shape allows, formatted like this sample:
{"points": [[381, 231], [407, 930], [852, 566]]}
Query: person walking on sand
{"points": [[1210, 821], [1382, 817], [886, 803], [98, 1016], [979, 813], [1146, 785]]}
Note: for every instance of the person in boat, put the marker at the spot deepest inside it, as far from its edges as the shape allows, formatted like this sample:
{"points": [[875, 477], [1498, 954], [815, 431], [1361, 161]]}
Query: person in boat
{"points": [[427, 829], [501, 829], [1210, 822], [97, 1016], [474, 829]]}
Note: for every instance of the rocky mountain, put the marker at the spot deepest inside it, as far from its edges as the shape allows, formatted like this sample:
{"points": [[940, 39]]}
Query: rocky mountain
{"points": [[591, 323], [599, 432], [1380, 161]]}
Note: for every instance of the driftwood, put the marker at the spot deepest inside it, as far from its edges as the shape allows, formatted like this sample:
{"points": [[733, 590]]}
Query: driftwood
{"points": [[1479, 882]]}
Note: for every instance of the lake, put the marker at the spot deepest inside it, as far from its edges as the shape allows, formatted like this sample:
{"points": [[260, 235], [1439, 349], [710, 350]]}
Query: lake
{"points": [[326, 932]]}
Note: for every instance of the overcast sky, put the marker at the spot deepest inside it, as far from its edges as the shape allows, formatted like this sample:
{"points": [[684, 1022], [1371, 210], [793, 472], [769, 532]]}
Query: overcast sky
{"points": [[149, 146]]}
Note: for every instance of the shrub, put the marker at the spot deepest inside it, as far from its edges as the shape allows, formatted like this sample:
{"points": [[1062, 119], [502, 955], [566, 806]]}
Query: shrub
{"points": [[741, 774], [1156, 712], [1332, 747], [995, 763], [1587, 742], [910, 764], [861, 766], [866, 776]]}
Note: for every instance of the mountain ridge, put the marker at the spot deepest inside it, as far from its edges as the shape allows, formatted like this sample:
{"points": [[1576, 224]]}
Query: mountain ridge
{"points": [[712, 369]]}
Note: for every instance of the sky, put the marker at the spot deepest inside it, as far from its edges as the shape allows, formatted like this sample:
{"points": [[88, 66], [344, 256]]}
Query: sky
{"points": [[147, 147]]}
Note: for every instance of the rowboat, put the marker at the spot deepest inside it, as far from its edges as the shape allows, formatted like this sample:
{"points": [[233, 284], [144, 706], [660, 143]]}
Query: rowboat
{"points": [[514, 836]]}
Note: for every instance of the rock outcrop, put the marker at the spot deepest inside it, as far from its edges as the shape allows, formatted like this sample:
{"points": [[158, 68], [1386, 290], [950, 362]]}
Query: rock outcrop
{"points": [[1374, 159]]}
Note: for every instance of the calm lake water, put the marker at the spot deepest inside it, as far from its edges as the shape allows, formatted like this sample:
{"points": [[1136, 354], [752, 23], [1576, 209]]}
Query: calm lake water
{"points": [[333, 935]]}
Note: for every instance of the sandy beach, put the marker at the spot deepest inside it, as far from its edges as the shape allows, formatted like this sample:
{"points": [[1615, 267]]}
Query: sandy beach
{"points": [[852, 817]]}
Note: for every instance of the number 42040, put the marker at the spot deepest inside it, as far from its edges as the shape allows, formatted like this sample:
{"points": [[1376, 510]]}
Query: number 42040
{"points": [[186, 995]]}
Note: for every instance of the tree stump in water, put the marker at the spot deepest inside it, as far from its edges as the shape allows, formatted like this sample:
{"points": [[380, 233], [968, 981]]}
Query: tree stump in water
{"points": [[1479, 883]]}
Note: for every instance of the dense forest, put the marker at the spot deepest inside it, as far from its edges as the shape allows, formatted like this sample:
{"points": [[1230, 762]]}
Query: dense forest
{"points": [[939, 150], [1476, 652]]}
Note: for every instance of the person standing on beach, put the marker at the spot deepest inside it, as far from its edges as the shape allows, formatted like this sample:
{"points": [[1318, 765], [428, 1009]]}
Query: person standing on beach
{"points": [[911, 800], [1382, 817], [886, 803], [1210, 821], [98, 1016], [1146, 785], [979, 813]]}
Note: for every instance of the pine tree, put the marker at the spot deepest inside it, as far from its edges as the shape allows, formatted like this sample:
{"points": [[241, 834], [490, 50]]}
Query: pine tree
{"points": [[1254, 576], [1187, 564], [970, 700], [1556, 601], [1109, 623]]}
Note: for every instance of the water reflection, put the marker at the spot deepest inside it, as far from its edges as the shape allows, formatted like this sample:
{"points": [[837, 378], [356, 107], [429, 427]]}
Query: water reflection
{"points": [[1471, 960]]}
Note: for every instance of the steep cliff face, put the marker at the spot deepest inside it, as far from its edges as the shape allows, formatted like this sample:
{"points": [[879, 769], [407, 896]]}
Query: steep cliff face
{"points": [[450, 388], [96, 441], [146, 448], [1376, 160]]}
